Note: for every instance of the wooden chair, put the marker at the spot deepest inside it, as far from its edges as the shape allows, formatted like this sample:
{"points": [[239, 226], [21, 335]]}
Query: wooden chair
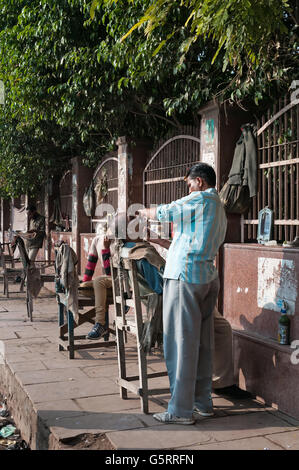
{"points": [[68, 324], [124, 296], [9, 274]]}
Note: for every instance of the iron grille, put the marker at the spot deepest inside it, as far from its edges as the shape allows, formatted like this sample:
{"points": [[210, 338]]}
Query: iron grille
{"points": [[278, 170]]}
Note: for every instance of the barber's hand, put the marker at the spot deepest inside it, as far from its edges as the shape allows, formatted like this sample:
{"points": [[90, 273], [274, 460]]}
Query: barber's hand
{"points": [[142, 212], [106, 243], [152, 237]]}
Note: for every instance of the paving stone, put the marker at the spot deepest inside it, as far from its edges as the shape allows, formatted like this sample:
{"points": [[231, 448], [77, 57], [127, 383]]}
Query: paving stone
{"points": [[31, 356], [65, 362], [287, 440], [27, 341], [46, 376], [243, 426], [289, 419], [27, 366], [169, 436], [235, 406], [116, 403], [91, 402], [6, 333], [70, 389], [102, 371], [14, 349], [53, 411], [29, 332], [96, 423], [251, 443], [109, 370], [109, 402], [49, 347]]}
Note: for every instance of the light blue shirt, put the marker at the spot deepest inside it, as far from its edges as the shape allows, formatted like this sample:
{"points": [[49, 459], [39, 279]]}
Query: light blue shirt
{"points": [[199, 224]]}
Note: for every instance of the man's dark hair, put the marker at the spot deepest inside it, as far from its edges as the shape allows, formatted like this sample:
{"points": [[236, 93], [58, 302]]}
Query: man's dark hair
{"points": [[31, 208], [204, 171]]}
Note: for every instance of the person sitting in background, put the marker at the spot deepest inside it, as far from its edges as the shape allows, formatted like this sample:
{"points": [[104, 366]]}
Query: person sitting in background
{"points": [[102, 285], [36, 232]]}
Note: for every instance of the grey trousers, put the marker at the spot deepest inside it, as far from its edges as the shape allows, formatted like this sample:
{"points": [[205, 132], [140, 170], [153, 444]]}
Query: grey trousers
{"points": [[188, 325]]}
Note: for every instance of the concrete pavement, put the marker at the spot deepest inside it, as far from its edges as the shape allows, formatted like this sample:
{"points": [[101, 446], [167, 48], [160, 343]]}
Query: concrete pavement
{"points": [[59, 403]]}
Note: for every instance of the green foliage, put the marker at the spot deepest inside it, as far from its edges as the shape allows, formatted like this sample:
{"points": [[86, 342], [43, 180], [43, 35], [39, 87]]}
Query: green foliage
{"points": [[257, 41], [73, 85]]}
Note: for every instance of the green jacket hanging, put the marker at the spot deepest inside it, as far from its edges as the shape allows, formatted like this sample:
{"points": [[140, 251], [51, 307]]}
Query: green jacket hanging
{"points": [[241, 185]]}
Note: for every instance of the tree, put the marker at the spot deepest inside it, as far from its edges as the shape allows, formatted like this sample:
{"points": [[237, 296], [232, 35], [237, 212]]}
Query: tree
{"points": [[65, 89], [257, 41], [73, 87]]}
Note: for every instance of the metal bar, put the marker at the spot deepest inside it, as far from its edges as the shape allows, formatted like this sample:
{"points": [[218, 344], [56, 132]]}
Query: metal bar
{"points": [[172, 166], [278, 145], [167, 142], [275, 180], [276, 222], [270, 179], [280, 163], [166, 180], [292, 179], [297, 171], [277, 115], [286, 179], [259, 178], [264, 177], [280, 177]]}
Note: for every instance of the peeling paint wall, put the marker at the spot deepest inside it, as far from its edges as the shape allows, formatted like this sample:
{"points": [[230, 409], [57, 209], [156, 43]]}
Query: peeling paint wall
{"points": [[276, 281]]}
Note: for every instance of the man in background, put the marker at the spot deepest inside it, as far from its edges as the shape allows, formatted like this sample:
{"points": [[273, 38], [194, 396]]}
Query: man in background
{"points": [[36, 233]]}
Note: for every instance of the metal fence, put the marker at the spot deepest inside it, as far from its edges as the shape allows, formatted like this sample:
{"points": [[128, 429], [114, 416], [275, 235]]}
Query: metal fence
{"points": [[163, 176], [108, 171], [278, 172], [66, 195]]}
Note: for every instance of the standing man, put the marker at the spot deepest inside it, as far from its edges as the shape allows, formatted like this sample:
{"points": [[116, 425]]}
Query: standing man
{"points": [[36, 232], [190, 292]]}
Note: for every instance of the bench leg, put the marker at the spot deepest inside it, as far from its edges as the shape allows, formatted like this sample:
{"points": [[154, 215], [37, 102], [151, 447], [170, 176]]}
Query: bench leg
{"points": [[121, 360], [29, 302], [106, 337], [60, 321], [70, 321]]}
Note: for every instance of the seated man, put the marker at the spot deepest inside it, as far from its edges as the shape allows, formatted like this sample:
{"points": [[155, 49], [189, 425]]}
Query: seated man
{"points": [[102, 285], [36, 232]]}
